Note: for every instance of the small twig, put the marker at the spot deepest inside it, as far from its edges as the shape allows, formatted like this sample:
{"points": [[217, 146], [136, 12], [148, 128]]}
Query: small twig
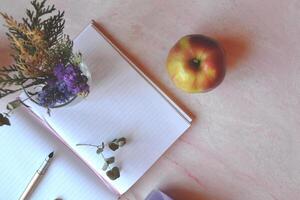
{"points": [[92, 145], [108, 166], [97, 146], [5, 92], [112, 172]]}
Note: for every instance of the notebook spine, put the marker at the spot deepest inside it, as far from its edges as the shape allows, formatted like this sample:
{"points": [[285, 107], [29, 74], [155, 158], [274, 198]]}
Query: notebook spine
{"points": [[182, 113]]}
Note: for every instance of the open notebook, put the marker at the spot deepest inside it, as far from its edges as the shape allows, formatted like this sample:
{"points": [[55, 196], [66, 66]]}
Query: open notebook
{"points": [[123, 103]]}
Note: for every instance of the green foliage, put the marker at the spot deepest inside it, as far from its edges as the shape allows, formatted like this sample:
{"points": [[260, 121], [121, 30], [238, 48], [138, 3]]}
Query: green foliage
{"points": [[61, 52], [100, 148], [38, 43], [34, 16], [9, 76], [4, 120], [112, 173], [110, 160], [10, 79], [9, 69], [76, 59], [105, 166], [113, 146], [52, 26], [117, 143], [13, 104], [10, 107]]}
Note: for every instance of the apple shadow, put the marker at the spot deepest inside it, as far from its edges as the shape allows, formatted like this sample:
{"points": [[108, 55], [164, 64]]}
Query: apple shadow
{"points": [[178, 193], [141, 66], [236, 48]]}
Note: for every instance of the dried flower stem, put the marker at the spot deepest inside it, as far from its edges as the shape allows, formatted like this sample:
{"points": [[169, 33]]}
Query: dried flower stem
{"points": [[5, 92], [92, 145], [97, 146]]}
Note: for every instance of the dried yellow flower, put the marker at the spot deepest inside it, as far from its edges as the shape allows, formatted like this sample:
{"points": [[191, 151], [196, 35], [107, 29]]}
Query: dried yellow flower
{"points": [[30, 49]]}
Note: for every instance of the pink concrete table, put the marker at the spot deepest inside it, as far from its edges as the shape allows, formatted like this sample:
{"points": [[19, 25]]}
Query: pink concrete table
{"points": [[245, 140]]}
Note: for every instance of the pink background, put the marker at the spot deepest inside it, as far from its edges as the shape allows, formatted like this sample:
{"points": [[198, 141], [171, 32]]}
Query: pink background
{"points": [[245, 141]]}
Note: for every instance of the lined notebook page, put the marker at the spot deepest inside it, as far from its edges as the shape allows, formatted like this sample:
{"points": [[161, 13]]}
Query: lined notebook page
{"points": [[24, 146], [122, 103]]}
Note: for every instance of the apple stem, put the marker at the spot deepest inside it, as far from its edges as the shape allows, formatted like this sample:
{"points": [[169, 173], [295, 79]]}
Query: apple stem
{"points": [[195, 63]]}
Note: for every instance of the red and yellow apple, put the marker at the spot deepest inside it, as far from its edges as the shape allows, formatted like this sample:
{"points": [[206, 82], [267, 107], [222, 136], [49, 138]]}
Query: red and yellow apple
{"points": [[196, 63]]}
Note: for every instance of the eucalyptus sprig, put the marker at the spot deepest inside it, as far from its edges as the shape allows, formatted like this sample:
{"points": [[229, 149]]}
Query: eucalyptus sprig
{"points": [[11, 106], [112, 172]]}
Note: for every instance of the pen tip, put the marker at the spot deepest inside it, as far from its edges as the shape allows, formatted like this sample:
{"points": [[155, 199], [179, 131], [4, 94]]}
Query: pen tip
{"points": [[51, 154]]}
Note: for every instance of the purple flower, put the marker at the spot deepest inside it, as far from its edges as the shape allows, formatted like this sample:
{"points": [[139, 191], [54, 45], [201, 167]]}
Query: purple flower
{"points": [[59, 71], [71, 75], [68, 82], [51, 95]]}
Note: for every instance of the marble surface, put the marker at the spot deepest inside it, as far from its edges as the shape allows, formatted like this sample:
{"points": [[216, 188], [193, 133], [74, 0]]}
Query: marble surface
{"points": [[244, 142]]}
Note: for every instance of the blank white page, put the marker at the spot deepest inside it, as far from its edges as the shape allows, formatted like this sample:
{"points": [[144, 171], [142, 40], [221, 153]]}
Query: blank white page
{"points": [[24, 146], [122, 103]]}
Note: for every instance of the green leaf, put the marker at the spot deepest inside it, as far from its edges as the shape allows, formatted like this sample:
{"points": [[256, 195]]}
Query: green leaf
{"points": [[113, 146], [102, 145], [100, 149], [76, 59], [49, 111], [105, 166], [114, 141], [114, 173], [8, 69], [13, 105], [110, 160], [121, 142], [117, 143], [4, 120]]}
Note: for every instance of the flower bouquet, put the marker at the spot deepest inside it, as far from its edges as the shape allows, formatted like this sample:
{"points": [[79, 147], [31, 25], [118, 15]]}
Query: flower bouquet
{"points": [[45, 67]]}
